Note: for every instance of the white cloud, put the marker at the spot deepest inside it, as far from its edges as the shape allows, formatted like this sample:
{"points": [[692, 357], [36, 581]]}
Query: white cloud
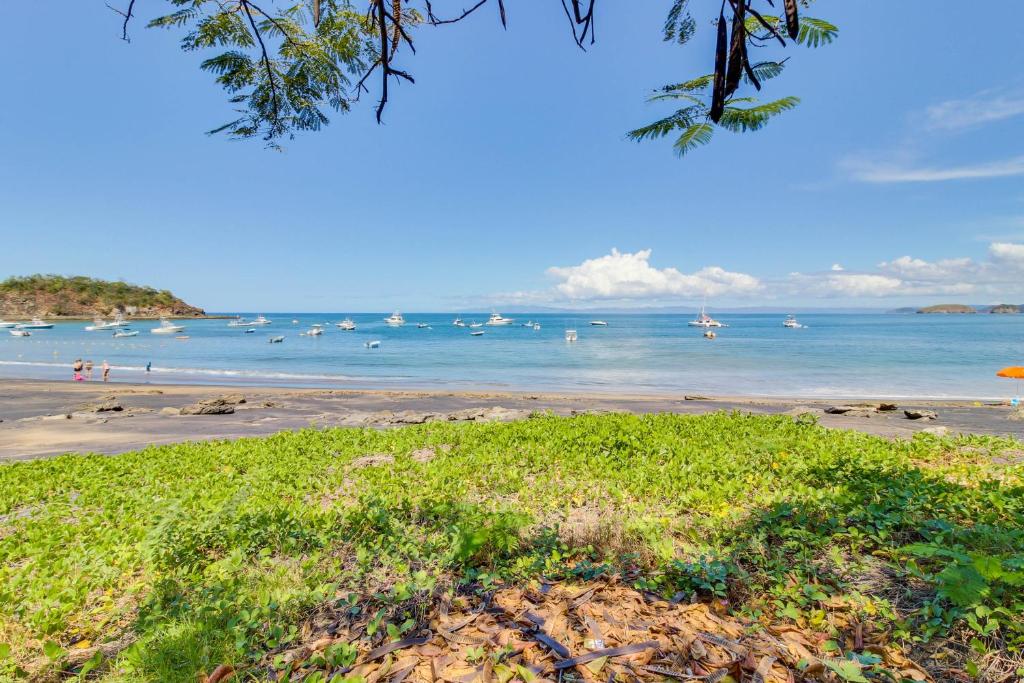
{"points": [[620, 275], [837, 267], [975, 111], [1007, 253], [999, 276], [874, 172]]}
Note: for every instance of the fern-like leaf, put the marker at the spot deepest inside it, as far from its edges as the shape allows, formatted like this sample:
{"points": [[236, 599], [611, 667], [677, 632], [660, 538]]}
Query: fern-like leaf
{"points": [[696, 135]]}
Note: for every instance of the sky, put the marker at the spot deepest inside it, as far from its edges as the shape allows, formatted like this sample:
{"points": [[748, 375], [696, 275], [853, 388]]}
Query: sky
{"points": [[504, 178]]}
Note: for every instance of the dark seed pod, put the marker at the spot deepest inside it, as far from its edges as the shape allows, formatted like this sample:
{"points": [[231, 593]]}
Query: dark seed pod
{"points": [[792, 19], [316, 12], [737, 51], [721, 56]]}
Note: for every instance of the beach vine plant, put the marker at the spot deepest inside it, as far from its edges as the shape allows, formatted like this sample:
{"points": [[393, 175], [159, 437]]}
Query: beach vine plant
{"points": [[164, 562], [286, 65]]}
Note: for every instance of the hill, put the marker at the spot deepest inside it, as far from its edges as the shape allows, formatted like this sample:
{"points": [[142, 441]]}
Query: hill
{"points": [[56, 296], [1005, 308], [948, 308]]}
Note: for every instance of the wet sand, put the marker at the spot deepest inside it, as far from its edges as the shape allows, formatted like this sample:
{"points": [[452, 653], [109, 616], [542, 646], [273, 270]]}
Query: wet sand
{"points": [[46, 418]]}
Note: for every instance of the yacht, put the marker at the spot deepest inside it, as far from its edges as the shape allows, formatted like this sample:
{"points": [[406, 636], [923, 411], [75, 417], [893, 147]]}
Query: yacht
{"points": [[5, 325], [395, 319], [36, 324], [346, 325], [167, 327], [17, 332], [260, 320], [599, 323], [571, 336], [239, 322], [496, 319], [791, 322], [458, 322], [704, 320], [316, 330], [126, 333]]}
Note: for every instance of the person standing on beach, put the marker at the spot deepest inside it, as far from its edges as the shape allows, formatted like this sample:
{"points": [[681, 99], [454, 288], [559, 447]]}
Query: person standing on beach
{"points": [[106, 371], [88, 369], [76, 369]]}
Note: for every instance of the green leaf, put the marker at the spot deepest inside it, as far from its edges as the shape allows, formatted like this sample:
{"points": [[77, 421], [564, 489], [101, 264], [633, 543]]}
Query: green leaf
{"points": [[696, 135], [847, 670], [816, 32], [52, 650], [5, 650]]}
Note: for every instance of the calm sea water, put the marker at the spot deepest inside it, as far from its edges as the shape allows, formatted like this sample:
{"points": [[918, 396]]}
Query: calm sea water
{"points": [[835, 355]]}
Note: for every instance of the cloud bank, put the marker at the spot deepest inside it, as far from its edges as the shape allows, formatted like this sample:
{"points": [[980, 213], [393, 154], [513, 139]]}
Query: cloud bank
{"points": [[629, 277], [620, 275]]}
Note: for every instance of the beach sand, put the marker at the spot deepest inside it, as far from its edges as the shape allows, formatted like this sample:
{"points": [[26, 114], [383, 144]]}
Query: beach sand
{"points": [[46, 418]]}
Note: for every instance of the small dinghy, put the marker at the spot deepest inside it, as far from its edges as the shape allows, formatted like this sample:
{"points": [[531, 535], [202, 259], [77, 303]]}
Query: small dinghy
{"points": [[375, 344], [126, 333], [276, 340], [476, 333], [20, 333]]}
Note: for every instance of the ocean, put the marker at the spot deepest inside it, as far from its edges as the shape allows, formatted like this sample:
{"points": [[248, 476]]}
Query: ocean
{"points": [[835, 355]]}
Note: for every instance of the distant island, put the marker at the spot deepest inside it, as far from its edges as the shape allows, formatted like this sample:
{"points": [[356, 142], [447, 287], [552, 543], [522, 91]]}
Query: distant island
{"points": [[56, 296], [1005, 308], [948, 308]]}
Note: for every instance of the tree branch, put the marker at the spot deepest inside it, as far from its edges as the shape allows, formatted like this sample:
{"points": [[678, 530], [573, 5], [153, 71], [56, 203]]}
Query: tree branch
{"points": [[266, 63], [432, 18], [127, 17]]}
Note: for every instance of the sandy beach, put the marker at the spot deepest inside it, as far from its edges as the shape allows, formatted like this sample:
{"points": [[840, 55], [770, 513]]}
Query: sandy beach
{"points": [[46, 418]]}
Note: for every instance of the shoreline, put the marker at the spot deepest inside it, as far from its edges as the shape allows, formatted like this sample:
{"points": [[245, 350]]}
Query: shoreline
{"points": [[192, 378], [43, 418]]}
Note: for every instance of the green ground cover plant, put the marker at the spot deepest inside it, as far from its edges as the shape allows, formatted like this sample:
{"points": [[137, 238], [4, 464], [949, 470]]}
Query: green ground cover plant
{"points": [[191, 555]]}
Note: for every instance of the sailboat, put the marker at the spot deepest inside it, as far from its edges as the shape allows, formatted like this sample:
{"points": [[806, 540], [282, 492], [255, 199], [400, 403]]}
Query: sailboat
{"points": [[704, 320]]}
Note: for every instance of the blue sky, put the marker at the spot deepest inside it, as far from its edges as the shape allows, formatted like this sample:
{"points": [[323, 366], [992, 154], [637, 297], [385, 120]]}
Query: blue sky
{"points": [[898, 180]]}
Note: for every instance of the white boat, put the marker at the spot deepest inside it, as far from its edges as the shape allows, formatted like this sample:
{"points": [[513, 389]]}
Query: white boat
{"points": [[421, 326], [528, 323], [496, 319], [260, 320], [375, 344], [316, 330], [126, 333], [571, 336], [476, 325], [704, 320], [250, 330], [476, 333], [20, 333], [276, 340], [792, 323], [167, 327], [36, 324], [295, 321], [119, 321], [346, 325], [536, 326], [5, 325], [599, 323], [395, 319], [458, 322], [239, 322]]}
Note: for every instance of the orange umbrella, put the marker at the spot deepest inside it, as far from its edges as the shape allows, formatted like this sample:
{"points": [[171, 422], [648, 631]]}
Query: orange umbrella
{"points": [[1013, 372]]}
